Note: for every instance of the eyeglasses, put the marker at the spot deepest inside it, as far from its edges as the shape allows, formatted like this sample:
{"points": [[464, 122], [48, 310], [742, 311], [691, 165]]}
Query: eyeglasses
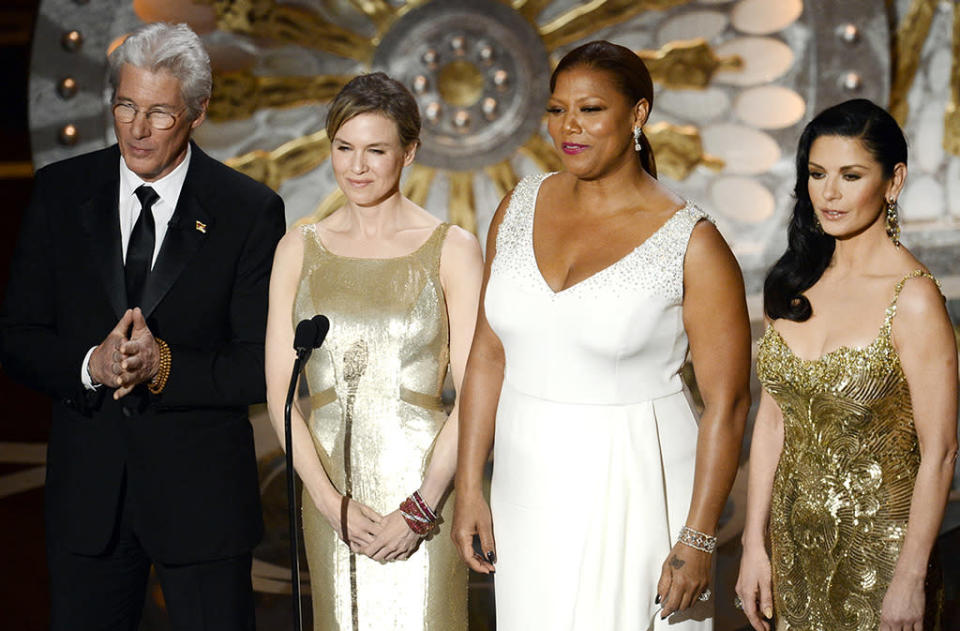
{"points": [[158, 119]]}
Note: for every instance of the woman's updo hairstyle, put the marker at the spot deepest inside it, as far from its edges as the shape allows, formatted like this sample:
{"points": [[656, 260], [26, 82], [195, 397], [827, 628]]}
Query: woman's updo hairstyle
{"points": [[629, 74], [809, 250], [376, 93]]}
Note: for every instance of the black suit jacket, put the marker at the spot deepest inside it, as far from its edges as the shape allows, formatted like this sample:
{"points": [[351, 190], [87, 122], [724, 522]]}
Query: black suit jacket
{"points": [[185, 456]]}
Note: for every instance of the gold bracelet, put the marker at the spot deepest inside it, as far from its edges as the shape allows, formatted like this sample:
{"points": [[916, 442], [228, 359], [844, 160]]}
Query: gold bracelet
{"points": [[159, 381]]}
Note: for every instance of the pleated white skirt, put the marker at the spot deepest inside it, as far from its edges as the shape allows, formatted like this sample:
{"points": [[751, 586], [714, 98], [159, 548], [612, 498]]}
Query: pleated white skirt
{"points": [[587, 501]]}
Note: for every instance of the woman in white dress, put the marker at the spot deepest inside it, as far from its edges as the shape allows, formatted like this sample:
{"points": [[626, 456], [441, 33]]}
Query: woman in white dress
{"points": [[606, 494]]}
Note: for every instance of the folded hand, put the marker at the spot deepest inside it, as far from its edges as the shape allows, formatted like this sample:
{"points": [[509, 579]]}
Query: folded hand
{"points": [[395, 541], [139, 357]]}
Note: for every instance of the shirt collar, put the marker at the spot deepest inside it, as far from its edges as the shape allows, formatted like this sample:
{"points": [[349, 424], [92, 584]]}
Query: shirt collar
{"points": [[168, 187]]}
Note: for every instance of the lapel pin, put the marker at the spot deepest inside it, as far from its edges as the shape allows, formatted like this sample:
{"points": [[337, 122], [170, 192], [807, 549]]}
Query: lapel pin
{"points": [[201, 227]]}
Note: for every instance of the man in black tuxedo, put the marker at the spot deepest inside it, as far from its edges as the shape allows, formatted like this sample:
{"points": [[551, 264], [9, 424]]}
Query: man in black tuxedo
{"points": [[138, 302]]}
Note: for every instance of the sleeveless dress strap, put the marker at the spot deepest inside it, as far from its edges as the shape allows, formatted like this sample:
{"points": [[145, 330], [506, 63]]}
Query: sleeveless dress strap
{"points": [[670, 244], [430, 251], [311, 240], [308, 230], [524, 199], [892, 309]]}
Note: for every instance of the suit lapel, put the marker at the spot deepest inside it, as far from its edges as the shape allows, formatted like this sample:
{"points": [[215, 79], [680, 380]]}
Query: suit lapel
{"points": [[186, 232], [100, 217]]}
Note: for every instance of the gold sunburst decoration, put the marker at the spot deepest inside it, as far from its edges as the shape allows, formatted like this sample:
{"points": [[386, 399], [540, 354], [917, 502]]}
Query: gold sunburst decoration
{"points": [[908, 40], [476, 68]]}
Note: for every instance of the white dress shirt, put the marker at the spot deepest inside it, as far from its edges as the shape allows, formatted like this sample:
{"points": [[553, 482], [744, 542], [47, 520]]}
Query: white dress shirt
{"points": [[168, 189]]}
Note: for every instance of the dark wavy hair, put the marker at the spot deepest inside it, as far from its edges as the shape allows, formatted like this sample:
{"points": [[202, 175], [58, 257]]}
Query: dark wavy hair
{"points": [[630, 76], [809, 250]]}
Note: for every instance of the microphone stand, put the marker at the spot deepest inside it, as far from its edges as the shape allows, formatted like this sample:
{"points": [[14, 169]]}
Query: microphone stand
{"points": [[308, 336], [302, 355]]}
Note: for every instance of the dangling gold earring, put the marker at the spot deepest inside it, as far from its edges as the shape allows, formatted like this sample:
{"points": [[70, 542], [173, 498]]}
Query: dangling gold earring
{"points": [[893, 222]]}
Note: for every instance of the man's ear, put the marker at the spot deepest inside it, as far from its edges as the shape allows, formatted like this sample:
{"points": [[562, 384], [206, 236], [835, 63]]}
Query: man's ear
{"points": [[202, 116]]}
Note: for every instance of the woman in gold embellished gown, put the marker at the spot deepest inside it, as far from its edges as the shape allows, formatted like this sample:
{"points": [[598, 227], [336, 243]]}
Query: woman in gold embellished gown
{"points": [[400, 289], [854, 442]]}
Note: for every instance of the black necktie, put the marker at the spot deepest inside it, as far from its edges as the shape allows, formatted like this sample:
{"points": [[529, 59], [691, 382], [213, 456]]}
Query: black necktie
{"points": [[140, 249]]}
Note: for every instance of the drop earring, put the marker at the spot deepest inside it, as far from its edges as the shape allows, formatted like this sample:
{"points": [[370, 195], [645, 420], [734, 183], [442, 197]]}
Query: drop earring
{"points": [[637, 133], [893, 221]]}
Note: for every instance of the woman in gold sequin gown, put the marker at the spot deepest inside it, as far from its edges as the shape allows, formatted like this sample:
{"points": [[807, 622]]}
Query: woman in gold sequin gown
{"points": [[400, 290], [855, 437]]}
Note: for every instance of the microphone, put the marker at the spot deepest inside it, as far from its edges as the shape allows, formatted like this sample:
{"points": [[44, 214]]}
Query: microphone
{"points": [[309, 335]]}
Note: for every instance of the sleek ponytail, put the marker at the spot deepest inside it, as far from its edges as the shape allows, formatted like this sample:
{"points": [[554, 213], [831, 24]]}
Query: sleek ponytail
{"points": [[809, 250], [630, 75]]}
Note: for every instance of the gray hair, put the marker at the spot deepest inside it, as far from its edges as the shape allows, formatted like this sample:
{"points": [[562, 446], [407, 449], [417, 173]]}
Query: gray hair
{"points": [[174, 48]]}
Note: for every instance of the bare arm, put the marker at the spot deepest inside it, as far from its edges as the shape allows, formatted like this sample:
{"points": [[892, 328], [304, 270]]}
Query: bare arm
{"points": [[279, 363], [754, 583], [478, 410], [461, 273], [924, 339], [717, 325]]}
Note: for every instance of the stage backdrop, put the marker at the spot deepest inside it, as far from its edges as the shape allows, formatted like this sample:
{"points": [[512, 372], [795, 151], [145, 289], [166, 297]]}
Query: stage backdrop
{"points": [[736, 82]]}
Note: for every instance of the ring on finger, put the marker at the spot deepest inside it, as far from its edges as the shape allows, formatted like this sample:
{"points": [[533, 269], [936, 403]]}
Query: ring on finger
{"points": [[737, 603], [705, 595]]}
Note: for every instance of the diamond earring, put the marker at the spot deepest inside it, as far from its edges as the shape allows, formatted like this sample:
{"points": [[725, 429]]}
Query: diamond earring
{"points": [[637, 133], [893, 222]]}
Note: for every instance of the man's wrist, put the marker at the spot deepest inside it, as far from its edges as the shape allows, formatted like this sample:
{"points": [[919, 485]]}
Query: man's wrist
{"points": [[86, 376]]}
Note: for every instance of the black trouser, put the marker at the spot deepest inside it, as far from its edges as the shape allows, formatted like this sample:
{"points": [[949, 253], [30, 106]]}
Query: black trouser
{"points": [[106, 592]]}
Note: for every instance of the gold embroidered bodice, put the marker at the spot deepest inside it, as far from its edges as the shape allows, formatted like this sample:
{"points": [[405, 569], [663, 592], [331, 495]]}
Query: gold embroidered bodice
{"points": [[842, 489], [376, 410]]}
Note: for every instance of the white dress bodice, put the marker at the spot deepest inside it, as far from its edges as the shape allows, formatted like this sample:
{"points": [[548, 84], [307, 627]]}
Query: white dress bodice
{"points": [[616, 337]]}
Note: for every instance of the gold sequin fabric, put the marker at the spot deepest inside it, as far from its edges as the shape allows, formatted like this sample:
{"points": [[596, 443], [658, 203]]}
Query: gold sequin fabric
{"points": [[375, 388], [842, 489]]}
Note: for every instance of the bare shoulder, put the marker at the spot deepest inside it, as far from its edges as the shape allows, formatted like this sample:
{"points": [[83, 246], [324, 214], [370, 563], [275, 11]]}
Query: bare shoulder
{"points": [[706, 245], [709, 266], [289, 252], [920, 299], [496, 220], [461, 245], [292, 241]]}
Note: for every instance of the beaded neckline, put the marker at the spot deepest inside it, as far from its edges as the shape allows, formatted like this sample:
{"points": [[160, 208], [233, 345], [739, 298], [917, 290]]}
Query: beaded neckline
{"points": [[882, 338], [652, 239], [881, 342], [655, 266]]}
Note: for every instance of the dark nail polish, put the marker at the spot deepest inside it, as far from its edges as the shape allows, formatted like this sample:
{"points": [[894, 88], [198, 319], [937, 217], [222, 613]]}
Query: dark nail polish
{"points": [[656, 600], [491, 556]]}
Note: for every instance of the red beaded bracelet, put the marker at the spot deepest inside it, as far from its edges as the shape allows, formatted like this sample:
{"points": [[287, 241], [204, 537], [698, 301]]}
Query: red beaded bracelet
{"points": [[420, 519]]}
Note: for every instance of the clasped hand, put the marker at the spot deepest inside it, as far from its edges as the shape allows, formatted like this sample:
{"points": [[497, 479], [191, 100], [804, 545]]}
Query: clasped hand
{"points": [[382, 538], [128, 356]]}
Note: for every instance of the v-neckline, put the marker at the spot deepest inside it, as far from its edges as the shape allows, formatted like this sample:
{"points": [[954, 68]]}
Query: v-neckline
{"points": [[628, 254]]}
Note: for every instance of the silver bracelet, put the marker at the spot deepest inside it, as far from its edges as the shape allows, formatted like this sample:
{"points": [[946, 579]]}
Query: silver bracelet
{"points": [[697, 540]]}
